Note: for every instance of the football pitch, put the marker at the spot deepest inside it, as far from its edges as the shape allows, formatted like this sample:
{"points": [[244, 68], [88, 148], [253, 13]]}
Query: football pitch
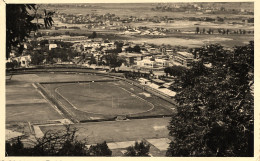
{"points": [[103, 98], [97, 100]]}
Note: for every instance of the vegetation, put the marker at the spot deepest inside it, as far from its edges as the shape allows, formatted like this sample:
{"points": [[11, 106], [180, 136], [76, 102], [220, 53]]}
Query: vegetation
{"points": [[136, 49], [37, 58], [61, 143], [100, 150], [93, 35], [139, 149], [113, 60], [215, 112], [92, 60], [175, 70], [12, 65], [19, 25]]}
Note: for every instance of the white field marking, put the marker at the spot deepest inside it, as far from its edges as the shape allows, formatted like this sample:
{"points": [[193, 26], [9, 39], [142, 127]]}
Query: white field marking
{"points": [[64, 121], [52, 105], [61, 122], [156, 128], [30, 128], [54, 124], [38, 131], [64, 107], [56, 90], [132, 94], [94, 118], [162, 143], [123, 151], [15, 114], [33, 84], [118, 145], [146, 94], [36, 75], [25, 101]]}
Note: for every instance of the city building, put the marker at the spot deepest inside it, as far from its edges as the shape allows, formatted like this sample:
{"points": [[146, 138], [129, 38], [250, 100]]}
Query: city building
{"points": [[184, 58]]}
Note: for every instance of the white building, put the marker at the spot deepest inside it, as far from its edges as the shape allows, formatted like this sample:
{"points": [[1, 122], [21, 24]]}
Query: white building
{"points": [[184, 58], [146, 63], [52, 46], [162, 62]]}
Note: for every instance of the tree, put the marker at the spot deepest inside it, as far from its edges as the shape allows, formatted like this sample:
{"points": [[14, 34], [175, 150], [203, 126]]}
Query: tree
{"points": [[197, 30], [203, 30], [100, 150], [92, 60], [213, 53], [19, 25], [37, 58], [175, 70], [93, 35], [9, 65], [113, 60], [60, 143], [137, 49], [215, 112], [139, 149], [15, 149]]}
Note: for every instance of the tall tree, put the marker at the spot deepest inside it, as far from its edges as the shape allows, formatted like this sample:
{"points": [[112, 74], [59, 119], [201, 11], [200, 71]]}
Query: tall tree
{"points": [[19, 24], [215, 112], [113, 60]]}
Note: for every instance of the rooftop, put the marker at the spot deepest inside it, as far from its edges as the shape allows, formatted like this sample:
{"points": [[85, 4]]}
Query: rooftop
{"points": [[186, 54]]}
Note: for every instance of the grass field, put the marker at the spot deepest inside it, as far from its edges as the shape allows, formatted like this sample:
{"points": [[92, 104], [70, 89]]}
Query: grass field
{"points": [[116, 131], [25, 104], [26, 109], [32, 112], [106, 100], [103, 98]]}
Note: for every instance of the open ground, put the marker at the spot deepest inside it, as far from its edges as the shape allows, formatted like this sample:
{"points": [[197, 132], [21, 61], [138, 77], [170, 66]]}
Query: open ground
{"points": [[29, 111]]}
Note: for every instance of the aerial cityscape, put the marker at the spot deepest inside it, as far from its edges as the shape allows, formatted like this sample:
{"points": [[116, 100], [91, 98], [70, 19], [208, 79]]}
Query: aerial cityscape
{"points": [[130, 79]]}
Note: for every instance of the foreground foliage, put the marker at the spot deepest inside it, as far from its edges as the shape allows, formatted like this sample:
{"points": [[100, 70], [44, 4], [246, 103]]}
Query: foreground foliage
{"points": [[139, 149], [216, 112], [19, 24], [61, 143]]}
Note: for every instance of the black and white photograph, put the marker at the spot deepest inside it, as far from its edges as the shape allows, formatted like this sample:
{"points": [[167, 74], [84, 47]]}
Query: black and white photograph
{"points": [[129, 79]]}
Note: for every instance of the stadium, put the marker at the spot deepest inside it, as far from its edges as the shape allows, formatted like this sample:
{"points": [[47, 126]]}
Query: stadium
{"points": [[41, 100]]}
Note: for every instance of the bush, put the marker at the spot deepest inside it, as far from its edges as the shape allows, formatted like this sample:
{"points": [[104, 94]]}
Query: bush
{"points": [[61, 143], [139, 149]]}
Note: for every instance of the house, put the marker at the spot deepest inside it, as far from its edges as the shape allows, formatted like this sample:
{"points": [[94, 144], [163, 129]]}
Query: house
{"points": [[131, 58], [162, 62], [184, 58], [52, 46], [169, 51], [24, 61], [146, 63]]}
